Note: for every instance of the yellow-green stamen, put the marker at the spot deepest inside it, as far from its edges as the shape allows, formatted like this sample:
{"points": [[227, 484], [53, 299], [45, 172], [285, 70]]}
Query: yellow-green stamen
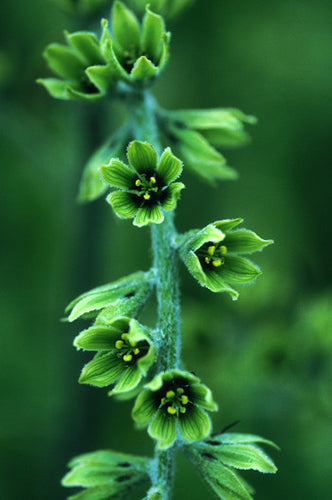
{"points": [[119, 344]]}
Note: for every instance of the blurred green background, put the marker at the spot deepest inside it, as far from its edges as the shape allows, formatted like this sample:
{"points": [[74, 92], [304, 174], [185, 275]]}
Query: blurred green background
{"points": [[268, 357]]}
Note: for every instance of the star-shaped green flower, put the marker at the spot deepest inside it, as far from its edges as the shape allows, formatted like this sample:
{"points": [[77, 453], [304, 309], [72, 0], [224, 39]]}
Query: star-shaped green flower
{"points": [[146, 187], [175, 399], [125, 353], [213, 255]]}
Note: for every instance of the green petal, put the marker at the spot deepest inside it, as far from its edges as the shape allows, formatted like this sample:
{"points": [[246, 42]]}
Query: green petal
{"points": [[244, 241], [205, 235], [117, 174], [146, 361], [172, 195], [122, 204], [56, 88], [108, 53], [86, 44], [170, 167], [202, 396], [102, 76], [129, 380], [215, 283], [64, 62], [125, 27], [194, 424], [143, 69], [97, 338], [142, 156], [145, 407], [163, 428], [239, 270], [148, 215], [153, 29], [103, 370], [227, 224], [80, 95]]}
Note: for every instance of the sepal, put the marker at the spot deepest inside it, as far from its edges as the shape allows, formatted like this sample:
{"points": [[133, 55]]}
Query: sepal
{"points": [[122, 297], [218, 458], [106, 474]]}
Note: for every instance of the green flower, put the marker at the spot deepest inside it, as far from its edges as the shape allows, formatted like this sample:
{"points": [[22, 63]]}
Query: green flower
{"points": [[125, 353], [213, 255], [84, 73], [175, 398], [196, 133], [146, 187], [136, 53]]}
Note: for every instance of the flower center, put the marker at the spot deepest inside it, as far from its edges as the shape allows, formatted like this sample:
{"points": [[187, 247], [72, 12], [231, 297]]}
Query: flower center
{"points": [[175, 401], [129, 350], [211, 254], [147, 186]]}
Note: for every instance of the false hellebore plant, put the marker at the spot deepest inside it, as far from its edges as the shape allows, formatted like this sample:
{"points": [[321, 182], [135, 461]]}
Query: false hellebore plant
{"points": [[141, 164]]}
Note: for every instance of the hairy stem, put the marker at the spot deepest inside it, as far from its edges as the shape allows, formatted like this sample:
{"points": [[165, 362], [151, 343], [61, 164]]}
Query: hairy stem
{"points": [[165, 265]]}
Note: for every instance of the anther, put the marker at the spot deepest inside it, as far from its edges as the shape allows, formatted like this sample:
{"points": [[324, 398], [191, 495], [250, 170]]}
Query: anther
{"points": [[217, 263], [223, 249], [138, 182], [127, 357], [179, 390], [183, 410], [170, 394], [207, 260], [171, 410], [146, 196], [153, 180], [124, 336], [211, 249], [163, 401], [136, 351], [119, 344], [184, 399]]}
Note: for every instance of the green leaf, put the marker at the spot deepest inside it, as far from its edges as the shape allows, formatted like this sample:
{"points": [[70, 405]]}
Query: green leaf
{"points": [[113, 459], [170, 167], [56, 88], [125, 27], [86, 45], [227, 138], [239, 438], [103, 370], [172, 195], [143, 69], [142, 156], [244, 241], [64, 62], [225, 483], [117, 174], [103, 296], [218, 118], [148, 215], [194, 424], [153, 28], [123, 204], [238, 270], [163, 428]]}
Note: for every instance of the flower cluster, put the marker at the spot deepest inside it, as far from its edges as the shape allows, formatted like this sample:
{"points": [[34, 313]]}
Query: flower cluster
{"points": [[88, 67], [213, 255], [172, 399], [146, 188]]}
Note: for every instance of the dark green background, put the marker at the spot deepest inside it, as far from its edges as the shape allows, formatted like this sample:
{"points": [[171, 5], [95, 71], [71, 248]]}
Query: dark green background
{"points": [[267, 358]]}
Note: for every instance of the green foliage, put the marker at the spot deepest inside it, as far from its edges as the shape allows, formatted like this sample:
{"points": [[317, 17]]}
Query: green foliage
{"points": [[146, 187], [175, 399], [213, 255], [106, 474], [218, 456]]}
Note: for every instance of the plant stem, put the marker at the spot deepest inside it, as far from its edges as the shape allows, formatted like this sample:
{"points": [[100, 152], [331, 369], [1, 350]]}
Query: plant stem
{"points": [[168, 338]]}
